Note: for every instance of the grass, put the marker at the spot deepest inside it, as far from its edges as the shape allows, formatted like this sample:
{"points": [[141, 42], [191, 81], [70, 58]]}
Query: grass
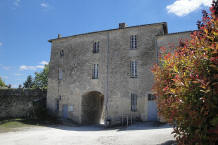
{"points": [[17, 124], [12, 125]]}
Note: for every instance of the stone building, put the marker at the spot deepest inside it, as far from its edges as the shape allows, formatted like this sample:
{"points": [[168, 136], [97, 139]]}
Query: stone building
{"points": [[106, 75]]}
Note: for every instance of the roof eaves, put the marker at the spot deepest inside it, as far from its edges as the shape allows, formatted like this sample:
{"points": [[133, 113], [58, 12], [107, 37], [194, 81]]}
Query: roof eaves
{"points": [[163, 23]]}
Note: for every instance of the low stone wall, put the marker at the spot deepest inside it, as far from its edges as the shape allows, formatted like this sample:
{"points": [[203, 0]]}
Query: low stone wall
{"points": [[21, 103]]}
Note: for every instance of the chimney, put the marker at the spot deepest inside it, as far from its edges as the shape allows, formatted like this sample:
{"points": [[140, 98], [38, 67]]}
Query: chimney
{"points": [[122, 25], [59, 35]]}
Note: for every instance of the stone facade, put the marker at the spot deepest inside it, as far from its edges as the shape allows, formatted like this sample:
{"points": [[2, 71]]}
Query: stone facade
{"points": [[21, 103], [171, 39], [72, 89]]}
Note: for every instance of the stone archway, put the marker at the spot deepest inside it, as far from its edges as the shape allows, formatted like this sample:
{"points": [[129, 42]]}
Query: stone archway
{"points": [[92, 107]]}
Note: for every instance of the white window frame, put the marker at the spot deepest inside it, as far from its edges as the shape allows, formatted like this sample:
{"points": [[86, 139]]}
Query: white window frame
{"points": [[133, 69], [71, 108], [133, 41], [60, 74], [95, 71]]}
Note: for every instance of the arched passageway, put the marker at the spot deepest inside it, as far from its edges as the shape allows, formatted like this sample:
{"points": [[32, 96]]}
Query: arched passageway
{"points": [[92, 107]]}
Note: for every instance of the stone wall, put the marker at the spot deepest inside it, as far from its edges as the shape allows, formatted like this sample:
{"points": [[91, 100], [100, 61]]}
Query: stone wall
{"points": [[21, 103], [172, 39], [114, 82]]}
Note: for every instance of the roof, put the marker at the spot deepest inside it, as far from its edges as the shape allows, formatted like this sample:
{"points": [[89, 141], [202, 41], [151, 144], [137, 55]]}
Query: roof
{"points": [[161, 23], [175, 33]]}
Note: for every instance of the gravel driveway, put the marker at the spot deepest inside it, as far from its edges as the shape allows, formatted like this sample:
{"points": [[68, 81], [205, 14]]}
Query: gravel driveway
{"points": [[137, 134]]}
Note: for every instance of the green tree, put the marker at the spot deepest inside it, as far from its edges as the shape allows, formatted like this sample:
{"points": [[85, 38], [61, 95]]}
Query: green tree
{"points": [[186, 83], [29, 82], [2, 83], [20, 86], [41, 79], [9, 86]]}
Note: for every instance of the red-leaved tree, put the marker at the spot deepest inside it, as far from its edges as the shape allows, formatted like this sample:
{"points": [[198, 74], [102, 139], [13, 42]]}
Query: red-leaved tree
{"points": [[186, 83]]}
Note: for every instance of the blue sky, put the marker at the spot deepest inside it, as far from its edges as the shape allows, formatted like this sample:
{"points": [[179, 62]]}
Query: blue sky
{"points": [[27, 25]]}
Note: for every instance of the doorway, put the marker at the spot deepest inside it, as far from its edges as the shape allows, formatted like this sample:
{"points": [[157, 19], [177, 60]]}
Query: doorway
{"points": [[65, 111], [152, 108], [92, 107]]}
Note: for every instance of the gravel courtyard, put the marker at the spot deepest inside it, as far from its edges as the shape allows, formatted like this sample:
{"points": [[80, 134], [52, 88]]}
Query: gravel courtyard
{"points": [[137, 134]]}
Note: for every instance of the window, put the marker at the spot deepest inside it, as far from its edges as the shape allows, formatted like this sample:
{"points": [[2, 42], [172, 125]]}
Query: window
{"points": [[60, 76], [133, 102], [57, 105], [70, 108], [62, 53], [96, 47], [95, 71], [181, 44], [151, 97], [133, 69], [133, 42]]}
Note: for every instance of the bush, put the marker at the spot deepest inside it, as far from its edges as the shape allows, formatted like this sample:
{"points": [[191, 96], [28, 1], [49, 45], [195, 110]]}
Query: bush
{"points": [[2, 83], [186, 83]]}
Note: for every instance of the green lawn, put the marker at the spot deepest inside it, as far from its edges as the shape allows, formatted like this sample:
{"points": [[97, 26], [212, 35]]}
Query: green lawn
{"points": [[12, 125], [17, 124]]}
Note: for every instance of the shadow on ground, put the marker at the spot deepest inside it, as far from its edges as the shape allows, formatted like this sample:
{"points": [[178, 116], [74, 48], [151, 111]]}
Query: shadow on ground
{"points": [[71, 126], [135, 126], [170, 142]]}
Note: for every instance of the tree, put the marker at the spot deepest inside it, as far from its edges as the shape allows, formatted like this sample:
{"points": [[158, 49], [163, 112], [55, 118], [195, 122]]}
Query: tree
{"points": [[20, 86], [9, 86], [41, 79], [29, 82], [186, 83], [2, 83]]}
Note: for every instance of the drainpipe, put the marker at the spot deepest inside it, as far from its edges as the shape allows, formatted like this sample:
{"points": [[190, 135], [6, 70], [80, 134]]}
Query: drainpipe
{"points": [[107, 79]]}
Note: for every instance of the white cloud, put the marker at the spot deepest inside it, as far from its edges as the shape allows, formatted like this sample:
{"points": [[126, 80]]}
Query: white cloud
{"points": [[17, 3], [1, 43], [17, 74], [14, 85], [6, 67], [43, 62], [44, 5], [5, 77], [34, 67], [40, 66], [184, 7], [26, 67]]}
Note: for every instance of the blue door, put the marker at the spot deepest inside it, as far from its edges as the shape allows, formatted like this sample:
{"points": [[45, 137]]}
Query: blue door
{"points": [[152, 108], [65, 111]]}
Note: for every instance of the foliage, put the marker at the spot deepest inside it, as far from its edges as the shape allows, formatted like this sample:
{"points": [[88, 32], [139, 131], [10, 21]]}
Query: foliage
{"points": [[41, 79], [9, 86], [29, 82], [19, 86], [186, 83], [12, 125], [2, 83]]}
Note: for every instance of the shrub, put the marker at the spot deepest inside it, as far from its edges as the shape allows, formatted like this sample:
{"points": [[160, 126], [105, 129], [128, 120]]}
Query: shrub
{"points": [[186, 83]]}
